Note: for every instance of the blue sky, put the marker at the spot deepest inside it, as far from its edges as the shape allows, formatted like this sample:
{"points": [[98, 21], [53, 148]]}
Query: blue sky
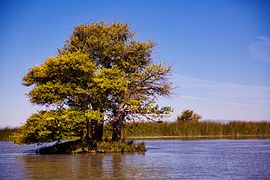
{"points": [[220, 50]]}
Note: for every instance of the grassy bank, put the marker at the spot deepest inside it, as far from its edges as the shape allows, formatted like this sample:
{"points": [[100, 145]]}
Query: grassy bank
{"points": [[6, 133], [203, 129]]}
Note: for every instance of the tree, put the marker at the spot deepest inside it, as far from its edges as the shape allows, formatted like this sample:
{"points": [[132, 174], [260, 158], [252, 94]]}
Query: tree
{"points": [[139, 99], [100, 72], [188, 116], [113, 46]]}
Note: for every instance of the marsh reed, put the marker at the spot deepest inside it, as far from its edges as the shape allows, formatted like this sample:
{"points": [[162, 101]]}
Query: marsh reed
{"points": [[151, 129]]}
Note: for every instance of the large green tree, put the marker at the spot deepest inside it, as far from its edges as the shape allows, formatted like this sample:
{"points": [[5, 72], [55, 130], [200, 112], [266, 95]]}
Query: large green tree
{"points": [[113, 45], [100, 72]]}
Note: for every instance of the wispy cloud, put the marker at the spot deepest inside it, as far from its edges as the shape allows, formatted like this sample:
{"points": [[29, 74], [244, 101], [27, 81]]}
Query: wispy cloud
{"points": [[215, 101], [218, 100], [261, 50], [264, 39], [223, 92]]}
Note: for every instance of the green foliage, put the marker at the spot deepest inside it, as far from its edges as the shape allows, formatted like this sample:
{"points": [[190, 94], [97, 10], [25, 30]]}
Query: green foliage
{"points": [[55, 125], [188, 115], [64, 79], [100, 70], [111, 80], [128, 76], [109, 44]]}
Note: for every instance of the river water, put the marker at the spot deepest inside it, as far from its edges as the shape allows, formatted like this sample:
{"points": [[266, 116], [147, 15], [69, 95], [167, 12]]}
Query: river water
{"points": [[165, 159]]}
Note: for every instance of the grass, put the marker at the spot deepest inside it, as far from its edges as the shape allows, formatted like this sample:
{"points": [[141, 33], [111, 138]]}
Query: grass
{"points": [[234, 128], [187, 129], [147, 130], [6, 133]]}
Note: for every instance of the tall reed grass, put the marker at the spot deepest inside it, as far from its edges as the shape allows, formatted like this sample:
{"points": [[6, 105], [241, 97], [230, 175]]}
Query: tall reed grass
{"points": [[235, 128], [6, 133], [142, 129]]}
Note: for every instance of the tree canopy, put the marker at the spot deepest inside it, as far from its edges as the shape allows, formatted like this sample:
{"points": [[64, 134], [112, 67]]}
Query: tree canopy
{"points": [[101, 73]]}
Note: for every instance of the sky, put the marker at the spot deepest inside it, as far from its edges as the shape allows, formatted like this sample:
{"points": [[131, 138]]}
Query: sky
{"points": [[220, 50]]}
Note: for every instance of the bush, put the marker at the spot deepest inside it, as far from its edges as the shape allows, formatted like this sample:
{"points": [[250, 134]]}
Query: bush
{"points": [[188, 115]]}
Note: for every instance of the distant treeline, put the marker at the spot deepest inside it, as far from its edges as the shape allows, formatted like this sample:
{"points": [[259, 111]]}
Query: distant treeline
{"points": [[150, 129]]}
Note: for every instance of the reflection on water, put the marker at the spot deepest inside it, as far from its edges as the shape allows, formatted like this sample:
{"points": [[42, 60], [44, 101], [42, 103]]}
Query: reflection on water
{"points": [[165, 159], [71, 166], [80, 166]]}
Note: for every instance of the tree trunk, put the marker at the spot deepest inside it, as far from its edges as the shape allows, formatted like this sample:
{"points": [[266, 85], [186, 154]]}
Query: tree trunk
{"points": [[100, 131], [117, 127], [93, 135], [85, 137]]}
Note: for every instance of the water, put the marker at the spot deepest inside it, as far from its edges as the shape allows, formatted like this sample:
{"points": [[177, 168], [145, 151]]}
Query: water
{"points": [[165, 159]]}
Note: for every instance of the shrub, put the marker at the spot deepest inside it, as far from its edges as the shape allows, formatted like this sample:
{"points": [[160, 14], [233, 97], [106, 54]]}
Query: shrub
{"points": [[188, 115]]}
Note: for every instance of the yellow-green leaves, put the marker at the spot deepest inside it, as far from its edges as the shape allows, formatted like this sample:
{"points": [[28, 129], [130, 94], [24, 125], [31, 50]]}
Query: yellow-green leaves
{"points": [[76, 67], [110, 44], [98, 37], [46, 126], [35, 75], [111, 80], [61, 77], [93, 115]]}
